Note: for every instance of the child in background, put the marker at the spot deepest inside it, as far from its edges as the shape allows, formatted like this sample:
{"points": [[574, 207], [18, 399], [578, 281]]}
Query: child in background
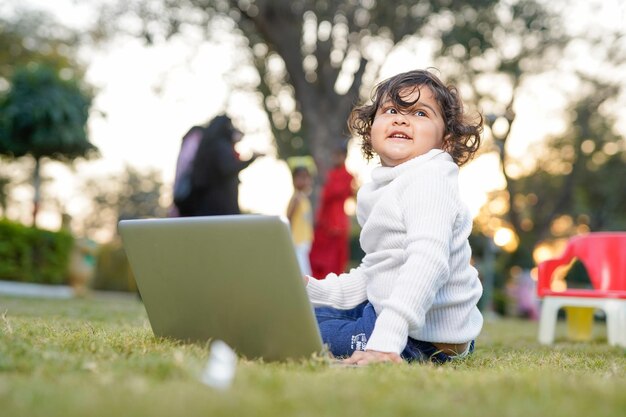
{"points": [[330, 250], [300, 216], [414, 295]]}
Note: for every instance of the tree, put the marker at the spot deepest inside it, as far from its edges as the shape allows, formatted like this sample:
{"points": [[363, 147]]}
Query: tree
{"points": [[35, 37], [492, 58], [28, 38], [312, 57], [577, 183], [44, 115], [4, 182], [129, 195], [513, 45]]}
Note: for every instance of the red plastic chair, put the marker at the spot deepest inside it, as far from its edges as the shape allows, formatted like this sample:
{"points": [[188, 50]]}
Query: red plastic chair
{"points": [[604, 256]]}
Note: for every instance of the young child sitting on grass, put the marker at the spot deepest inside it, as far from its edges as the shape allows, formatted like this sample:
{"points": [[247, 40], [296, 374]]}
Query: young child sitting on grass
{"points": [[414, 295]]}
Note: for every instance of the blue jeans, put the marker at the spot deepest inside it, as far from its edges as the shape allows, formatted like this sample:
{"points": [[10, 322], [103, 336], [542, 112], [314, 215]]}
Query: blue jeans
{"points": [[345, 331]]}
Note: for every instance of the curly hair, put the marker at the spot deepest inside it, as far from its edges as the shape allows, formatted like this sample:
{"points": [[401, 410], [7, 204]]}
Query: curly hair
{"points": [[462, 135]]}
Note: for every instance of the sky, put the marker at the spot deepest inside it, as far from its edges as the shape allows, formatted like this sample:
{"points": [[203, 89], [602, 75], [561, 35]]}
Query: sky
{"points": [[151, 96]]}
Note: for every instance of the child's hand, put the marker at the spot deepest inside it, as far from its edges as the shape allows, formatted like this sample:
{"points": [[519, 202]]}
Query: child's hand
{"points": [[372, 356]]}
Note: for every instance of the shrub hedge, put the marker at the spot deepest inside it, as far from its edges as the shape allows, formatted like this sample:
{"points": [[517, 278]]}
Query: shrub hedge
{"points": [[28, 254], [113, 272]]}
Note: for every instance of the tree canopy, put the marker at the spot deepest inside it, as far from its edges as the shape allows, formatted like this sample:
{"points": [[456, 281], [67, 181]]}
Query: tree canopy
{"points": [[129, 195], [314, 59], [34, 37], [43, 115]]}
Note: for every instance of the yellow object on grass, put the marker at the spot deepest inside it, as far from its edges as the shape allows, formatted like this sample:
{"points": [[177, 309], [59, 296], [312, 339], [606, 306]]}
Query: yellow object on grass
{"points": [[579, 323]]}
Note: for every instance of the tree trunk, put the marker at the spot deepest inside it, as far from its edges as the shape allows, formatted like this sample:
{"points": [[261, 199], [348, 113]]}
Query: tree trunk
{"points": [[324, 111], [37, 189]]}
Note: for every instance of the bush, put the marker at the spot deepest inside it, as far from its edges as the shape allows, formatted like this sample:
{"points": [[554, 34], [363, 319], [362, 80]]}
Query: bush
{"points": [[113, 271], [28, 254]]}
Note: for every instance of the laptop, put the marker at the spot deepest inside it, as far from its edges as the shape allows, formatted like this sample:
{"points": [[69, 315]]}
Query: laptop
{"points": [[231, 278]]}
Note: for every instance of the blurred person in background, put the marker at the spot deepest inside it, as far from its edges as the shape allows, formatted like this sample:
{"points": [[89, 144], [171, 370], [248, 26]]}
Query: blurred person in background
{"points": [[182, 201], [300, 215], [214, 178], [330, 250]]}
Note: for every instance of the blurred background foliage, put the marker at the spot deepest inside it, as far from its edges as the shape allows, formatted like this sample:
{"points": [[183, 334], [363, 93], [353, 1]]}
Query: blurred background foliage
{"points": [[44, 104], [35, 37], [312, 60], [33, 255]]}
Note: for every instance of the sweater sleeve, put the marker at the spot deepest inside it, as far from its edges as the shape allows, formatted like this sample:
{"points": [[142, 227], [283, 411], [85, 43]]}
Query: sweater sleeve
{"points": [[429, 206], [338, 291]]}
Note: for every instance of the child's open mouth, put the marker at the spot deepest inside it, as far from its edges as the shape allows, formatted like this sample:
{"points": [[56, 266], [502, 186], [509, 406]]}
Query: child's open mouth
{"points": [[398, 135]]}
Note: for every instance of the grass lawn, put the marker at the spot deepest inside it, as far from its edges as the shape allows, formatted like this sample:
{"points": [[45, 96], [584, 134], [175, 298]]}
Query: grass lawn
{"points": [[98, 357]]}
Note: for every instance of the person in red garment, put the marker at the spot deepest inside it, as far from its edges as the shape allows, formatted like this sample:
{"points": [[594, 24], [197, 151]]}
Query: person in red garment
{"points": [[330, 250]]}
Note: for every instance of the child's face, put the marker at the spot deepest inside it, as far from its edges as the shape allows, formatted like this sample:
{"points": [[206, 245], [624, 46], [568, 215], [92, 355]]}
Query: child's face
{"points": [[339, 158], [302, 181], [399, 135]]}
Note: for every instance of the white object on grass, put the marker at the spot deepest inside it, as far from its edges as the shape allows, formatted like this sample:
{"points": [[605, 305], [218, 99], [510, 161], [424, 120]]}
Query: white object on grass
{"points": [[219, 371]]}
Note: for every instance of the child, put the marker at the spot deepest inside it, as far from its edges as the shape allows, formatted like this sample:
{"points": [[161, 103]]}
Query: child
{"points": [[330, 250], [414, 295], [300, 216]]}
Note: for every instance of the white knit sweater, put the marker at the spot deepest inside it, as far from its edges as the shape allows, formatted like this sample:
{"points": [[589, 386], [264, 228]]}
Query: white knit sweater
{"points": [[416, 271]]}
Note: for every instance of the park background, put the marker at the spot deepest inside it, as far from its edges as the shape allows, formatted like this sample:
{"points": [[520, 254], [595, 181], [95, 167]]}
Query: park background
{"points": [[547, 76], [130, 77]]}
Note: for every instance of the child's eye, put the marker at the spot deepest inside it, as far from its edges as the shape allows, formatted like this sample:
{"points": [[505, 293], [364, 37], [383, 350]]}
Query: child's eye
{"points": [[421, 113], [390, 110]]}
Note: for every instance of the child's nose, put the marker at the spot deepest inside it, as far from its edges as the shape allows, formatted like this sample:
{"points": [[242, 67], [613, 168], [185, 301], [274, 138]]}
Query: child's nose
{"points": [[400, 119]]}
